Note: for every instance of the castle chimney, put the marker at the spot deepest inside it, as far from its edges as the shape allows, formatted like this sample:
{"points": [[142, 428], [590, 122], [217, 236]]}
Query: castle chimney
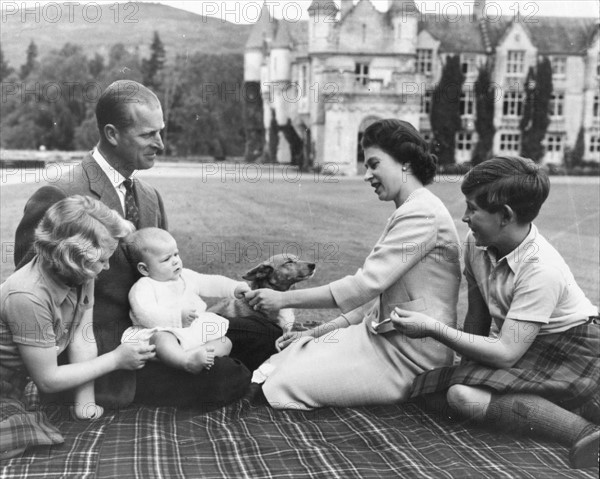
{"points": [[478, 10]]}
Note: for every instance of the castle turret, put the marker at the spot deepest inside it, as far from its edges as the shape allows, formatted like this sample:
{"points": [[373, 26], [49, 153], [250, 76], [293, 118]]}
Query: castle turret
{"points": [[323, 15], [281, 54], [260, 36], [404, 16], [346, 6]]}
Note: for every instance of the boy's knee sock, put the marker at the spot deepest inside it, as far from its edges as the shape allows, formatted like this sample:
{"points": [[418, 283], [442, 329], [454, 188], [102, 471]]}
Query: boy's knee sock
{"points": [[527, 413]]}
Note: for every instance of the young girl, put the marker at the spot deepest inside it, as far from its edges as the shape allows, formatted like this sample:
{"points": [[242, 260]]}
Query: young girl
{"points": [[46, 308], [529, 345]]}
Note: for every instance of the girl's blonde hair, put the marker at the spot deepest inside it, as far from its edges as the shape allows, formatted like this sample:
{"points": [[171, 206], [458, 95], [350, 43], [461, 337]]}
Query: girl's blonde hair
{"points": [[74, 233]]}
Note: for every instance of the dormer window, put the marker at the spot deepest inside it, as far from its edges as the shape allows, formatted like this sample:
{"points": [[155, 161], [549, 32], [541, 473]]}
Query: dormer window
{"points": [[468, 63], [559, 66], [515, 62], [361, 73]]}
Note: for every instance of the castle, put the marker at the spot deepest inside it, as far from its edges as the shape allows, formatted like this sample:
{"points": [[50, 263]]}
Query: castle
{"points": [[328, 78]]}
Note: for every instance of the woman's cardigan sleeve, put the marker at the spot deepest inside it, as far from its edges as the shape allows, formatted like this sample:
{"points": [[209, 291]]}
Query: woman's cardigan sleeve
{"points": [[410, 235]]}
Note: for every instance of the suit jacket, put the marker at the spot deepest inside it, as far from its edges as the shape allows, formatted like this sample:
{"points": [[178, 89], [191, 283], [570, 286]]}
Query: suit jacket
{"points": [[111, 309]]}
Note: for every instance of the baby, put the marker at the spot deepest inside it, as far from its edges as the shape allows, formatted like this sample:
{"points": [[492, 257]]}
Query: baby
{"points": [[167, 309]]}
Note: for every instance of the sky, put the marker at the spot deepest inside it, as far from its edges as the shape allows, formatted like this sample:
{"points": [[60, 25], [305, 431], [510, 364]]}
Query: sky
{"points": [[246, 11]]}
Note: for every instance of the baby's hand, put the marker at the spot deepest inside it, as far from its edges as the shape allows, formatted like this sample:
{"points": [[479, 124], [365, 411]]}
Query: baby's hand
{"points": [[188, 316], [241, 290], [87, 411]]}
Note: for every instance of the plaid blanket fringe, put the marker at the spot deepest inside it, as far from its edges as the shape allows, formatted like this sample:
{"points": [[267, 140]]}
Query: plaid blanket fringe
{"points": [[250, 440]]}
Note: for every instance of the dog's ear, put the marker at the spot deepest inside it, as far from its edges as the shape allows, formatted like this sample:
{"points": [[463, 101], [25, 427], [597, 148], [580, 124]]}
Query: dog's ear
{"points": [[259, 272]]}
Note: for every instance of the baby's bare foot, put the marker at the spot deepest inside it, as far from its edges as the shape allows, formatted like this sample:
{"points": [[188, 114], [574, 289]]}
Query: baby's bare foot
{"points": [[199, 359]]}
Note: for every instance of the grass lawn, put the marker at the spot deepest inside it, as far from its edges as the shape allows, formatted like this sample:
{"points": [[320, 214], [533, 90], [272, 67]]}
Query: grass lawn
{"points": [[226, 223]]}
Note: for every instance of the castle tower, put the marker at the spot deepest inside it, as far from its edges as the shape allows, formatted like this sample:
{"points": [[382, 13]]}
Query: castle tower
{"points": [[280, 67], [404, 16], [322, 17], [260, 36]]}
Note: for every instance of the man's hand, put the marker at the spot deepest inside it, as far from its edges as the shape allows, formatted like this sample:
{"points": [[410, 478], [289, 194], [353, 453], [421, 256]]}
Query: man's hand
{"points": [[266, 300]]}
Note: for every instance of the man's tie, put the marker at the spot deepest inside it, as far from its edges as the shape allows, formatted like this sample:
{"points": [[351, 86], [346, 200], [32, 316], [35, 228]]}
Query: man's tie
{"points": [[132, 212]]}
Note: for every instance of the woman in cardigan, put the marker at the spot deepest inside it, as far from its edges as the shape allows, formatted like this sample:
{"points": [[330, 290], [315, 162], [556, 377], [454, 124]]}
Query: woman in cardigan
{"points": [[415, 263]]}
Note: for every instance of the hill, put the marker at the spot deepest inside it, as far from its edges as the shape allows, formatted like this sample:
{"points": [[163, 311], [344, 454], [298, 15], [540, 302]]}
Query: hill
{"points": [[97, 26]]}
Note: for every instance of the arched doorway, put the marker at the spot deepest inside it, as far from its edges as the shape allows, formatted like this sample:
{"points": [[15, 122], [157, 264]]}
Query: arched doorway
{"points": [[360, 155]]}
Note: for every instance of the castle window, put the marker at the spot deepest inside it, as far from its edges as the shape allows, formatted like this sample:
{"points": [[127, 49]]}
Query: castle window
{"points": [[468, 63], [361, 72], [596, 106], [464, 141], [467, 103], [559, 66], [594, 146], [510, 142], [303, 80], [513, 104], [424, 60], [515, 63], [426, 102], [557, 101], [554, 143]]}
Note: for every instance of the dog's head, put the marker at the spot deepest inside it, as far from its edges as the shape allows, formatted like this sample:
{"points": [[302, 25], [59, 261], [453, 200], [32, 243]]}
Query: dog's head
{"points": [[279, 272]]}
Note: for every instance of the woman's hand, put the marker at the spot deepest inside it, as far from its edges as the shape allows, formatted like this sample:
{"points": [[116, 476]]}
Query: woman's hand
{"points": [[413, 324], [133, 355], [241, 290], [266, 300], [292, 336]]}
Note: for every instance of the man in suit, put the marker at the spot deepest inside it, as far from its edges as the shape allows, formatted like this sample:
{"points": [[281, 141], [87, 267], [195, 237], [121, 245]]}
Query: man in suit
{"points": [[130, 120]]}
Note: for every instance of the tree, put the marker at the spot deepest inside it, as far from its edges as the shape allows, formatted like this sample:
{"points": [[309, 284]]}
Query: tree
{"points": [[152, 66], [30, 62], [96, 66], [445, 110], [536, 111], [484, 106], [5, 69], [574, 156]]}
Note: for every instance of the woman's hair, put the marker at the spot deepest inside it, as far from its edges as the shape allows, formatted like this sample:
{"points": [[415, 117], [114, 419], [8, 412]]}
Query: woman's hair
{"points": [[508, 180], [73, 234], [402, 141]]}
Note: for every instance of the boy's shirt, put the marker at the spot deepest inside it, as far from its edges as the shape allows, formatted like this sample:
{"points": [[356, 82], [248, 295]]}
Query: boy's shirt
{"points": [[531, 283]]}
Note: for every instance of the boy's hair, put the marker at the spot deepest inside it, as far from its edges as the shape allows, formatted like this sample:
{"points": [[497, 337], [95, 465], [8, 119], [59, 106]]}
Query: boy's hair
{"points": [[73, 233], [508, 180], [140, 242]]}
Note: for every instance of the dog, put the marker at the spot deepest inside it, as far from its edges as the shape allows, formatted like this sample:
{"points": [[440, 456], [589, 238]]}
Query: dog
{"points": [[280, 272]]}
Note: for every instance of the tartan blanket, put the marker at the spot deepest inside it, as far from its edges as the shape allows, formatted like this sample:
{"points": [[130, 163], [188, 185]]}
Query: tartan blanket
{"points": [[250, 440]]}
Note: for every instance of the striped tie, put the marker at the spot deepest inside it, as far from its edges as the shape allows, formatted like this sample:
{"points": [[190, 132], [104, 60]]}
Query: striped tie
{"points": [[132, 213]]}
